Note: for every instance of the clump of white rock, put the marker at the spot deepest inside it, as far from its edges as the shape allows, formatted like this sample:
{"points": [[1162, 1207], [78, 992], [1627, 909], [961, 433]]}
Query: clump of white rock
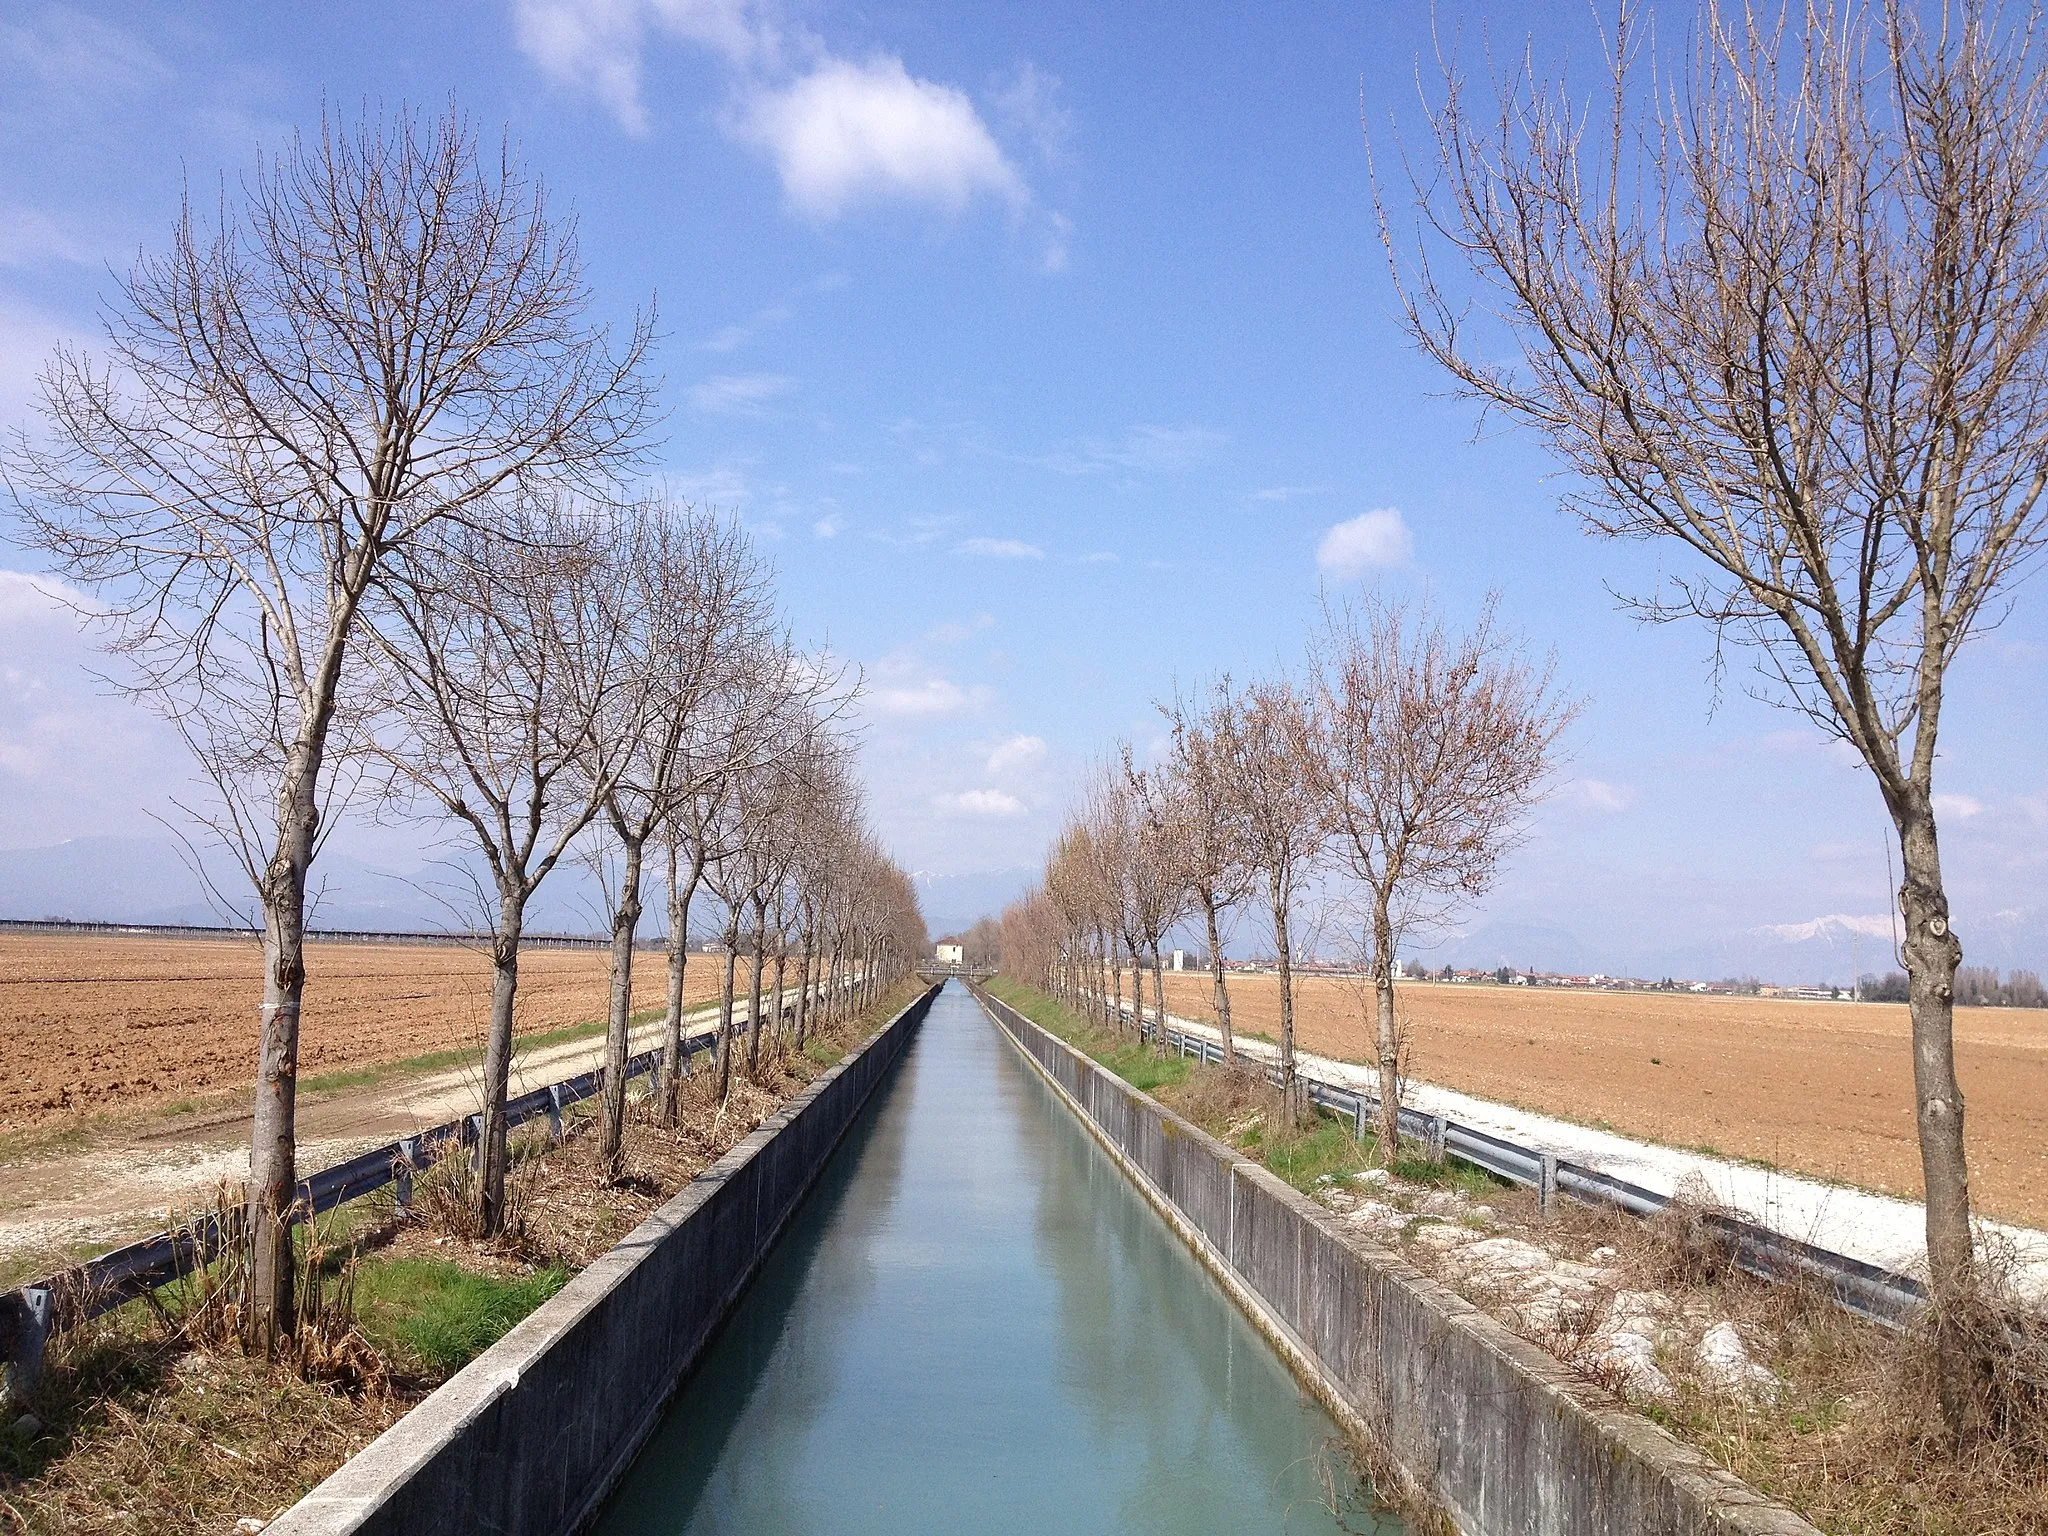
{"points": [[1582, 1310]]}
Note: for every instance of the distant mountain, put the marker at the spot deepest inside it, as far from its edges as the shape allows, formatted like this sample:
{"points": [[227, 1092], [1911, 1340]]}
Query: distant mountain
{"points": [[955, 902], [153, 880]]}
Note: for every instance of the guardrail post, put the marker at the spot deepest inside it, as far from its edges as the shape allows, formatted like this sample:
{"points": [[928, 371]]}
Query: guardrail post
{"points": [[476, 1143], [555, 1107], [408, 1160], [1358, 1116], [1546, 1184], [25, 1320], [1435, 1138]]}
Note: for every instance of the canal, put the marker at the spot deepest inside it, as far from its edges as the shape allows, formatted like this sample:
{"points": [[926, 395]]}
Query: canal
{"points": [[975, 1323]]}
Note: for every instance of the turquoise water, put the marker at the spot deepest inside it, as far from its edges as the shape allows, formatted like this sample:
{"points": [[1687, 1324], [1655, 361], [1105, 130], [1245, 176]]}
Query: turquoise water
{"points": [[976, 1324]]}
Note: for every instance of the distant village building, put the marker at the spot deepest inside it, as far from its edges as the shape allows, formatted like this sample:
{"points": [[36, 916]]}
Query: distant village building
{"points": [[951, 954]]}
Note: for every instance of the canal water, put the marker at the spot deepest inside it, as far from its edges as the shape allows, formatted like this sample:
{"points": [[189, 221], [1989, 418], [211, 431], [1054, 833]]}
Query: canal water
{"points": [[976, 1324]]}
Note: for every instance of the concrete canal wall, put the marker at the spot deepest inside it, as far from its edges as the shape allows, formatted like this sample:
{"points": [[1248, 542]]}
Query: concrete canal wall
{"points": [[529, 1437], [1482, 1424]]}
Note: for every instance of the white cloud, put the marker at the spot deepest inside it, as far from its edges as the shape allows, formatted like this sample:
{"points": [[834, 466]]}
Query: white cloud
{"points": [[1028, 103], [927, 699], [1099, 557], [951, 633], [1288, 492], [983, 802], [1059, 232], [1017, 752], [1150, 450], [740, 394], [27, 338], [828, 527], [851, 133], [73, 761], [726, 486], [999, 549], [1961, 807], [80, 56], [31, 597], [1599, 795], [841, 133], [598, 45], [30, 237], [1368, 541]]}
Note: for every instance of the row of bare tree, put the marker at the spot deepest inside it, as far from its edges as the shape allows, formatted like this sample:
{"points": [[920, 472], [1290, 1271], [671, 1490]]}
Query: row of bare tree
{"points": [[1388, 776], [344, 488]]}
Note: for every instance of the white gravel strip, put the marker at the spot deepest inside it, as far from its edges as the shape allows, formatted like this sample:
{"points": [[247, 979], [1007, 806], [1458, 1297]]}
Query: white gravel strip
{"points": [[1877, 1229]]}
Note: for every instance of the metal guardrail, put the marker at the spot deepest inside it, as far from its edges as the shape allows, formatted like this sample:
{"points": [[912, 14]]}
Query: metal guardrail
{"points": [[30, 1314], [1877, 1294]]}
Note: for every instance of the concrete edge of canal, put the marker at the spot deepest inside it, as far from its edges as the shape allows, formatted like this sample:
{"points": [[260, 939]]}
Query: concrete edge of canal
{"points": [[529, 1438], [1481, 1424]]}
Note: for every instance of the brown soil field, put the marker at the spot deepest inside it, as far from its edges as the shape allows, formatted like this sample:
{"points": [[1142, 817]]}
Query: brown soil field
{"points": [[92, 1024], [1819, 1088]]}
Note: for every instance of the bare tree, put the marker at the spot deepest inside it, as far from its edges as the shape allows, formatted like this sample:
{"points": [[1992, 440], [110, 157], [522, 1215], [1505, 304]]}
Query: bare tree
{"points": [[697, 606], [1791, 313], [1211, 843], [512, 702], [1271, 752], [388, 329], [1161, 891], [1437, 746]]}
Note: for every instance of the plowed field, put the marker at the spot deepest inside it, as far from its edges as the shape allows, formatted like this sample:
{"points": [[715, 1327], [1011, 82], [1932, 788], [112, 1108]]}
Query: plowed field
{"points": [[90, 1024], [1820, 1088]]}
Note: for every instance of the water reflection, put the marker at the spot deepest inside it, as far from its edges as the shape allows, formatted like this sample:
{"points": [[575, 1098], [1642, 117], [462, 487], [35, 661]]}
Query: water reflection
{"points": [[976, 1324]]}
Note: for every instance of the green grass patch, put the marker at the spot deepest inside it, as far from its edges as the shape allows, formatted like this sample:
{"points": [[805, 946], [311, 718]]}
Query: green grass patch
{"points": [[441, 1315], [1324, 1146], [1321, 1149], [1136, 1063]]}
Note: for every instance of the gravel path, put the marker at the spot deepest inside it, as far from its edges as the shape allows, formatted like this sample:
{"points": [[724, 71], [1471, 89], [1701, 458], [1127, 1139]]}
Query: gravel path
{"points": [[108, 1194], [1879, 1229]]}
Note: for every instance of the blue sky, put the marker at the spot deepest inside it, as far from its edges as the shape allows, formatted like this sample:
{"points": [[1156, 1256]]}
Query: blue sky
{"points": [[1043, 348]]}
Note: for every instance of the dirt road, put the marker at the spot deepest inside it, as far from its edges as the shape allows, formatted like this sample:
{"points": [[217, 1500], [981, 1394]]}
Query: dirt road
{"points": [[67, 1203]]}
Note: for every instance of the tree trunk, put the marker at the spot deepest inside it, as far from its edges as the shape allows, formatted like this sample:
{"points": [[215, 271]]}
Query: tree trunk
{"points": [[1965, 1335], [611, 1145], [494, 1154], [1112, 1004], [725, 996], [1387, 1037], [1137, 992], [1158, 1000], [273, 1138], [781, 962], [754, 1007], [1288, 1093], [675, 1062], [803, 990], [1222, 991]]}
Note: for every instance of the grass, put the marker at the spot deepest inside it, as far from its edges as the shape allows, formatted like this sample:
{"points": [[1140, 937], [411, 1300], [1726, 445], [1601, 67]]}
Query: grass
{"points": [[1237, 1108], [1136, 1063], [442, 1315]]}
